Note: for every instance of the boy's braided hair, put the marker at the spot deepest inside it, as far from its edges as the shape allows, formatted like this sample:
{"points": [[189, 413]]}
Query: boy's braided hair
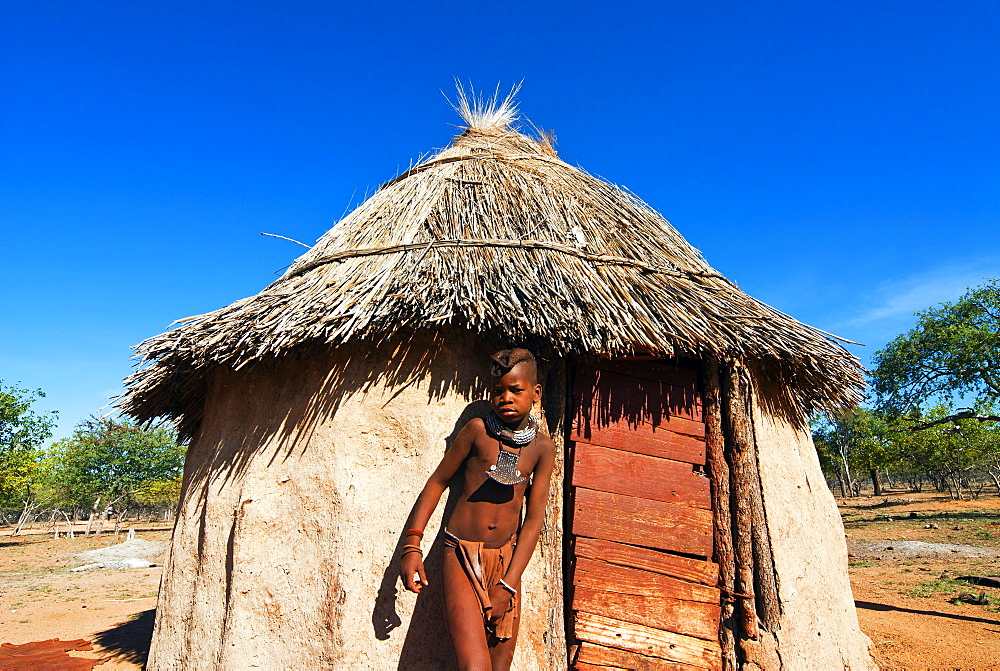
{"points": [[503, 361]]}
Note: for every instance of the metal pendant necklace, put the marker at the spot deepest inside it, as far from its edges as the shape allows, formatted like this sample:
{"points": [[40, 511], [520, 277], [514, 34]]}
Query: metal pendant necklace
{"points": [[518, 438], [505, 470]]}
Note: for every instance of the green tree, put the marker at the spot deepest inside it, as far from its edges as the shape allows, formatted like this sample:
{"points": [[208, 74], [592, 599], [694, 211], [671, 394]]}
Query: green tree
{"points": [[159, 493], [853, 440], [113, 462], [22, 432], [947, 449], [950, 359], [952, 354]]}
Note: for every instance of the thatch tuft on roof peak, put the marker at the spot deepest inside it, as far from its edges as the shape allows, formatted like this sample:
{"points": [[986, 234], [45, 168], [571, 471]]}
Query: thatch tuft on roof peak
{"points": [[496, 234], [486, 114]]}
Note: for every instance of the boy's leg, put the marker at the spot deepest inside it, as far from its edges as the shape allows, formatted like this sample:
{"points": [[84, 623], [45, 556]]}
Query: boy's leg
{"points": [[502, 654], [464, 617]]}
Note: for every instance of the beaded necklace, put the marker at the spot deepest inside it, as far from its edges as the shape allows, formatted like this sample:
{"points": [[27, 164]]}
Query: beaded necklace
{"points": [[519, 438], [505, 470]]}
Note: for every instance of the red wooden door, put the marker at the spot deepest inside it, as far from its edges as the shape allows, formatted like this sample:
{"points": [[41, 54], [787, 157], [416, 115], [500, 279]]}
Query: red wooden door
{"points": [[643, 592]]}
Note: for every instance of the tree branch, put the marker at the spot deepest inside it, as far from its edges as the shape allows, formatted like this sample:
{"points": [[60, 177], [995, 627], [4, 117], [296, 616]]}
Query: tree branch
{"points": [[964, 413]]}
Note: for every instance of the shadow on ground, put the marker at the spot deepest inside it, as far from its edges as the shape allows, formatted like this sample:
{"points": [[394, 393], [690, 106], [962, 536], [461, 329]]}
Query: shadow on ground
{"points": [[885, 607], [129, 640]]}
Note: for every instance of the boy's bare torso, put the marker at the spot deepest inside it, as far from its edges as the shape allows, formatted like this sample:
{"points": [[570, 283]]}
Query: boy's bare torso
{"points": [[488, 511]]}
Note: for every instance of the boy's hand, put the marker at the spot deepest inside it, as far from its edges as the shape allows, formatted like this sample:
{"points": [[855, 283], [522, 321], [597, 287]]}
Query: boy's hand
{"points": [[502, 601], [411, 571]]}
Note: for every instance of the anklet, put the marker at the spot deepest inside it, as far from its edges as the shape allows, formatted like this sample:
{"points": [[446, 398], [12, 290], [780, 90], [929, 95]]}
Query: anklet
{"points": [[415, 532]]}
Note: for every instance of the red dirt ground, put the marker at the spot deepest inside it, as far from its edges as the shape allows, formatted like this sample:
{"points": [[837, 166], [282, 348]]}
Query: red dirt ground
{"points": [[40, 599], [903, 604]]}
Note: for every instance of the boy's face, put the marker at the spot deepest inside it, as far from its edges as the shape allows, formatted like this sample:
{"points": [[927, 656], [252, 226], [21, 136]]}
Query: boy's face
{"points": [[514, 394]]}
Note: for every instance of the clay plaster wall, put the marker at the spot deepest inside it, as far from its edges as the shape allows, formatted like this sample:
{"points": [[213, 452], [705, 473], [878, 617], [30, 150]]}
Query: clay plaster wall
{"points": [[819, 624], [296, 490]]}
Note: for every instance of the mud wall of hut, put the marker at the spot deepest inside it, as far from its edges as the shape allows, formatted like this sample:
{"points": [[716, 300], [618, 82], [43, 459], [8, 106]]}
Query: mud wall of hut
{"points": [[818, 623]]}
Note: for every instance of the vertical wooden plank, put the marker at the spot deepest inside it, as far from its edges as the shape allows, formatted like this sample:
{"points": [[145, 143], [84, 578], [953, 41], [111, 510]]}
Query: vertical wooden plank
{"points": [[739, 441], [718, 470], [554, 411]]}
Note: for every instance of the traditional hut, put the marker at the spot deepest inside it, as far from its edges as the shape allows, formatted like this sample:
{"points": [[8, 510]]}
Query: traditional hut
{"points": [[689, 522]]}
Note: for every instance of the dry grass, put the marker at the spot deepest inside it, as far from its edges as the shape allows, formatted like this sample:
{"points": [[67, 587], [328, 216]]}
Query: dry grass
{"points": [[497, 234]]}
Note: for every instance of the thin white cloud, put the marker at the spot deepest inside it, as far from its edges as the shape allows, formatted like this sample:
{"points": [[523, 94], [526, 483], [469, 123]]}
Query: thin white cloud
{"points": [[899, 299]]}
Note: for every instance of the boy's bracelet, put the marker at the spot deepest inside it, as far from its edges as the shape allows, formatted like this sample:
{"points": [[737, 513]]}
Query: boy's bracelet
{"points": [[411, 548], [415, 532], [513, 592]]}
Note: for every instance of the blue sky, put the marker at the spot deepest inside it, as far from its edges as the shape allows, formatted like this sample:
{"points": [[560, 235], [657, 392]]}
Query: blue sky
{"points": [[838, 160]]}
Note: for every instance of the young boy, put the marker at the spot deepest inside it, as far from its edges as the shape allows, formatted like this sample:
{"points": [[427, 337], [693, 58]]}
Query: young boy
{"points": [[487, 545]]}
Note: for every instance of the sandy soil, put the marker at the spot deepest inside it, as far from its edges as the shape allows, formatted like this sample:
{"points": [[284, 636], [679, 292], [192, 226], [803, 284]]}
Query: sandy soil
{"points": [[41, 599], [904, 605]]}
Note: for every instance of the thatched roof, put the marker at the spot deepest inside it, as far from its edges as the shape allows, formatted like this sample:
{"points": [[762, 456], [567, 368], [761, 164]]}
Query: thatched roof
{"points": [[496, 234]]}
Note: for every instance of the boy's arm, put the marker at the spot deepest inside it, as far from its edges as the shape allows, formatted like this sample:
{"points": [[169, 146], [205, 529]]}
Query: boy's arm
{"points": [[412, 562], [531, 528]]}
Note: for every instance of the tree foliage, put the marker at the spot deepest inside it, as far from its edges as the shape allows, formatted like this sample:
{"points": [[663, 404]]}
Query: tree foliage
{"points": [[116, 461], [952, 353], [853, 441], [159, 493], [947, 449], [22, 432], [931, 444], [937, 389]]}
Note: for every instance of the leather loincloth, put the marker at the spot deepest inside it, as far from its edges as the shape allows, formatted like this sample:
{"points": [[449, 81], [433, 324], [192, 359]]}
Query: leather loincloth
{"points": [[485, 568]]}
